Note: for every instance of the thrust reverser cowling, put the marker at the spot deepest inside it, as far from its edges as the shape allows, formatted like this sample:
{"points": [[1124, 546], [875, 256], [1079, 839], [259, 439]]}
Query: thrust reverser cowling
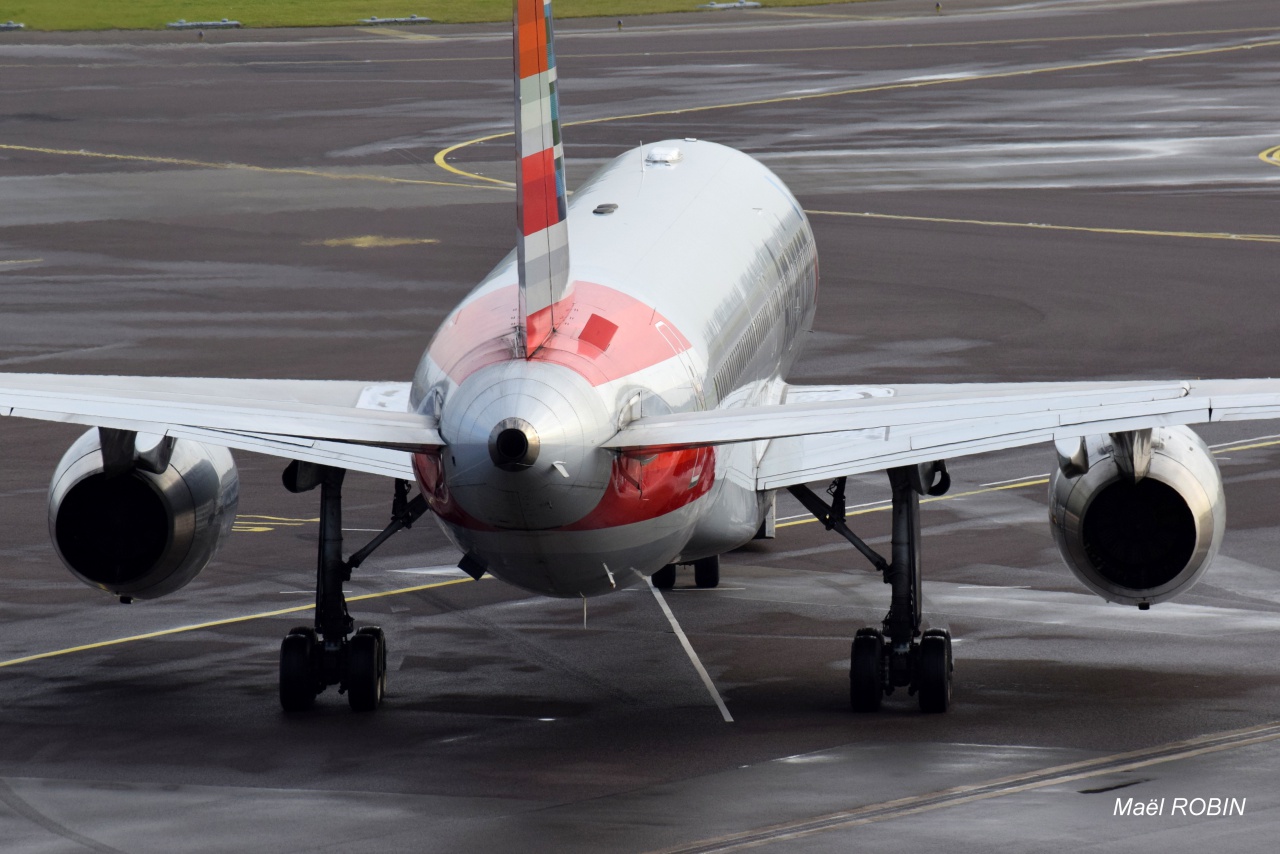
{"points": [[1144, 540], [140, 534]]}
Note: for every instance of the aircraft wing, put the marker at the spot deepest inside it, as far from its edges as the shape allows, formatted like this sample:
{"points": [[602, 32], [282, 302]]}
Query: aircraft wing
{"points": [[354, 425], [820, 432]]}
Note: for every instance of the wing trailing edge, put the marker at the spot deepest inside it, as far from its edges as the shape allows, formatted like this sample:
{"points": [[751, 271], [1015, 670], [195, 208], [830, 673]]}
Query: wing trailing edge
{"points": [[835, 433], [354, 425]]}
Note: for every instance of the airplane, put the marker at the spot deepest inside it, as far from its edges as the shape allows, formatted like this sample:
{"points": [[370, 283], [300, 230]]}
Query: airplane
{"points": [[598, 411]]}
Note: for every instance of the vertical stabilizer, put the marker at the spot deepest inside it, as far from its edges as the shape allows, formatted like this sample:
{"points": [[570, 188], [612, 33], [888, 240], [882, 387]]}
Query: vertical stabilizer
{"points": [[542, 234]]}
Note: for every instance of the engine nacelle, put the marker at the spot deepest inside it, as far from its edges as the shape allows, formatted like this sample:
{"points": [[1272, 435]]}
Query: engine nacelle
{"points": [[139, 534], [1137, 540]]}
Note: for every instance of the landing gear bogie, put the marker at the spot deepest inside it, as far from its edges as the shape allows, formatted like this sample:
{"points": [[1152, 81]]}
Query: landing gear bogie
{"points": [[897, 655], [358, 666], [311, 659], [924, 669], [665, 578], [706, 574]]}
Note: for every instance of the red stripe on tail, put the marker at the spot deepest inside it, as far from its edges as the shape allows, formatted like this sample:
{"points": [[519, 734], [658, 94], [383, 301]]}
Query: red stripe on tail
{"points": [[541, 207]]}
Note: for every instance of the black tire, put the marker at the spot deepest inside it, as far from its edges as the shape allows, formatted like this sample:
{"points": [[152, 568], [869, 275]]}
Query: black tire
{"points": [[665, 578], [866, 669], [297, 671], [706, 572], [366, 670], [934, 674], [306, 631], [376, 631]]}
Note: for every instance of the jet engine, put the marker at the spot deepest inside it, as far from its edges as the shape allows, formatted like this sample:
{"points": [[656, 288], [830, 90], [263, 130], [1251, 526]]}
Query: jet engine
{"points": [[1138, 515], [140, 523]]}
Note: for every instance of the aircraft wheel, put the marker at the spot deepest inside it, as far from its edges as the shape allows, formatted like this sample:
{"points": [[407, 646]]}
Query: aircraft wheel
{"points": [[665, 578], [706, 572], [366, 677], [297, 670], [934, 674], [866, 666]]}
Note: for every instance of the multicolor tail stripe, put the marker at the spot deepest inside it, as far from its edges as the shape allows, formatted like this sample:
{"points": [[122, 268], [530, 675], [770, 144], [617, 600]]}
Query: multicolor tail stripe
{"points": [[542, 242]]}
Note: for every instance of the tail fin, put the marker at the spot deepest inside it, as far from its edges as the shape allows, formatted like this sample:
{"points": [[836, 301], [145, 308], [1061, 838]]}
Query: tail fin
{"points": [[542, 245]]}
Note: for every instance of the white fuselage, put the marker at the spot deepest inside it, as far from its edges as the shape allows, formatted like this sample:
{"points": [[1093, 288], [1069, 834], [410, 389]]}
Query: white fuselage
{"points": [[691, 282]]}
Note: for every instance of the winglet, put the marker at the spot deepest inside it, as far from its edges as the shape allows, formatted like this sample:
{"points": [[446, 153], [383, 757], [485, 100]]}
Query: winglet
{"points": [[542, 243]]}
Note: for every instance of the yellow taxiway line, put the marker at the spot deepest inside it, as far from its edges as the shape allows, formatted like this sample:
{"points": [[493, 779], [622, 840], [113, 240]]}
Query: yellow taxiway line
{"points": [[205, 164], [1249, 447], [1271, 155], [215, 623], [1140, 232], [373, 241], [440, 158], [1058, 775], [695, 32], [1020, 484], [881, 506], [400, 34]]}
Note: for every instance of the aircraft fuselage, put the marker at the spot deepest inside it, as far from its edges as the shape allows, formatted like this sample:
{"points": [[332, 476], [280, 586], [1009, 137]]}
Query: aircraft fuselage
{"points": [[692, 281]]}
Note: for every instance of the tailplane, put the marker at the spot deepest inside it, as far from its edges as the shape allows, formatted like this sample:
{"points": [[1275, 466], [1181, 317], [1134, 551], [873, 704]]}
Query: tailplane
{"points": [[542, 241]]}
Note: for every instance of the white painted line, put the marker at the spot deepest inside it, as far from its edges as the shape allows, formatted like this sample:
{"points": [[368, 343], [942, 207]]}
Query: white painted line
{"points": [[688, 648], [700, 589], [850, 507], [430, 570], [1243, 442], [1015, 479]]}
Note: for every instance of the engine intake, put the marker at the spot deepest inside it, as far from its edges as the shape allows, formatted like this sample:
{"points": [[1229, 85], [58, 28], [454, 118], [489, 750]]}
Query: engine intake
{"points": [[140, 534], [1138, 523]]}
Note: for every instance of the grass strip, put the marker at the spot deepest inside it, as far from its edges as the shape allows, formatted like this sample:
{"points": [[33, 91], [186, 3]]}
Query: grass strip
{"points": [[50, 15]]}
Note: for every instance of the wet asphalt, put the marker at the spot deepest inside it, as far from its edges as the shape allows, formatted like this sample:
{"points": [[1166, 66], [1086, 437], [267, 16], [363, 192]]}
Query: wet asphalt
{"points": [[1003, 191]]}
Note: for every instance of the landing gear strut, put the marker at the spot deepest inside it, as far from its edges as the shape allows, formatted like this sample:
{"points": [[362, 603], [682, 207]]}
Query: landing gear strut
{"points": [[313, 658], [897, 654]]}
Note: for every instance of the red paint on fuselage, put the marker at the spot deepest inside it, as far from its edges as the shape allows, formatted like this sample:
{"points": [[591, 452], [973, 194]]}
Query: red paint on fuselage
{"points": [[646, 486], [481, 331], [641, 486]]}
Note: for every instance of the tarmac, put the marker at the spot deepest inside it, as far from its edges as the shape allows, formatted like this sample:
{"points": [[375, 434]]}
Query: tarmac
{"points": [[1000, 191]]}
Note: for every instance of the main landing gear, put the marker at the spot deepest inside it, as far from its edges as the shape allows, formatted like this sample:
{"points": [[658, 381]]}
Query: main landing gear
{"points": [[313, 658], [706, 574], [897, 654]]}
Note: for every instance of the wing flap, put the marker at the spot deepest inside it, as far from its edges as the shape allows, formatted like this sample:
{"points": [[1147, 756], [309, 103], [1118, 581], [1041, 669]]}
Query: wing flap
{"points": [[372, 460], [692, 429], [802, 459]]}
